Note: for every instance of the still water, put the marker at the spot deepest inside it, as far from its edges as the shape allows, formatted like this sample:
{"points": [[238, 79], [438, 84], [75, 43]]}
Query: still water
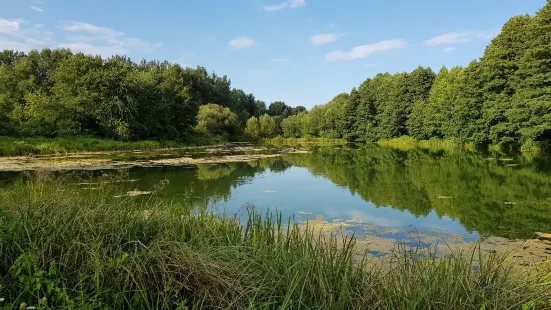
{"points": [[466, 194]]}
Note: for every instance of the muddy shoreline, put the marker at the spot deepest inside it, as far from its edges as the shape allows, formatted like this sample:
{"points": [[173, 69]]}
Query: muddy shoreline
{"points": [[371, 239]]}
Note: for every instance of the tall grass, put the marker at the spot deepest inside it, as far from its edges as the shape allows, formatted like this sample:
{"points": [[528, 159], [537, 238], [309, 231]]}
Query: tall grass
{"points": [[408, 143], [65, 248], [301, 142], [11, 146]]}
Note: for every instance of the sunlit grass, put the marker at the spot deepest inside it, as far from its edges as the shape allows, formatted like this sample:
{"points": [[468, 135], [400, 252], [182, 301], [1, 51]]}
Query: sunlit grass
{"points": [[21, 146], [407, 143], [61, 247], [301, 142]]}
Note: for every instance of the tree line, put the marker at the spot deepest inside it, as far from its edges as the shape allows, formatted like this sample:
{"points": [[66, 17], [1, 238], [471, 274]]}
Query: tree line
{"points": [[503, 98], [59, 93]]}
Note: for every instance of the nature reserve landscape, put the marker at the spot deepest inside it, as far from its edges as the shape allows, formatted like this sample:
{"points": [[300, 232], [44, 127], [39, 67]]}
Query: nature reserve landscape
{"points": [[401, 158]]}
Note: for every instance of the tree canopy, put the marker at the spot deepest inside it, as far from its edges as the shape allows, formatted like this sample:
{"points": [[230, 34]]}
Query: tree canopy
{"points": [[56, 92], [502, 98]]}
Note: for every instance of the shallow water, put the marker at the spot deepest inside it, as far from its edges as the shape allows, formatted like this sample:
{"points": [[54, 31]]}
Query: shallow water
{"points": [[392, 194]]}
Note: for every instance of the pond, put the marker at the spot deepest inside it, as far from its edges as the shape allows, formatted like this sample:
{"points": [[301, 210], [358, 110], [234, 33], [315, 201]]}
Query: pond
{"points": [[371, 190]]}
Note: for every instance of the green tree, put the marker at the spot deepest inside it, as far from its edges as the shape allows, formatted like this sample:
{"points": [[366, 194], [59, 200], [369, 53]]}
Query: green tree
{"points": [[367, 118], [532, 101], [432, 116], [497, 70], [348, 124], [216, 120], [268, 126], [292, 126], [279, 108], [253, 128]]}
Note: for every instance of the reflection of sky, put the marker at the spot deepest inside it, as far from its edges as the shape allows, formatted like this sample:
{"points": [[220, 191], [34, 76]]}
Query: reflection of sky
{"points": [[296, 189]]}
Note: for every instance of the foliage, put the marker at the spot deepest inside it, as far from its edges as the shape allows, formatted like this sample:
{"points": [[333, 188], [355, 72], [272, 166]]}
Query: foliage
{"points": [[217, 121], [292, 126], [253, 128], [264, 126], [501, 99], [51, 93]]}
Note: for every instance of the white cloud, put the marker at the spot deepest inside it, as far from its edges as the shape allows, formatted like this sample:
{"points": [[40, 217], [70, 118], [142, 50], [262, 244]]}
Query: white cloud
{"points": [[241, 42], [364, 51], [296, 3], [280, 60], [87, 48], [276, 7], [449, 38], [14, 45], [36, 9], [462, 37], [450, 49], [292, 4], [79, 37], [23, 36], [97, 40], [324, 38], [9, 26], [73, 26]]}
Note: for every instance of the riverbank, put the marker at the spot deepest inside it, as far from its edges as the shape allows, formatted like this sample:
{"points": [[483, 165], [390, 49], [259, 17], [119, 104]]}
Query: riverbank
{"points": [[303, 142], [407, 143], [13, 146], [64, 248]]}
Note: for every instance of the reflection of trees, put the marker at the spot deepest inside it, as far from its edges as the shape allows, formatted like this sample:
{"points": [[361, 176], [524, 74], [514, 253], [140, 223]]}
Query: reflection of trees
{"points": [[280, 166], [214, 172], [419, 181], [414, 181], [212, 182]]}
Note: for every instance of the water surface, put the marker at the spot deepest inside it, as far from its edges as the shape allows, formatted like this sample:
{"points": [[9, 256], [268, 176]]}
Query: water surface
{"points": [[387, 192]]}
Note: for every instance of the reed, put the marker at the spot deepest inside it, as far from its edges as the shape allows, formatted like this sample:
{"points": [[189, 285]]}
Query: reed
{"points": [[65, 248], [407, 143]]}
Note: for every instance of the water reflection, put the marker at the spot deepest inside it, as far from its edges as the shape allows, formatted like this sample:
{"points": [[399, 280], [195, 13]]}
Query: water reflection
{"points": [[415, 191]]}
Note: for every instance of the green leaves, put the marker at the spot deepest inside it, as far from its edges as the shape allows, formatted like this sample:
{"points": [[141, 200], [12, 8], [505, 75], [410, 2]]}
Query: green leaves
{"points": [[55, 92], [216, 120], [503, 99]]}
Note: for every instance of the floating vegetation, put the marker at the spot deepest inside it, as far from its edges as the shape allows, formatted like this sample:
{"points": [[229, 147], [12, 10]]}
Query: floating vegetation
{"points": [[506, 159], [134, 193]]}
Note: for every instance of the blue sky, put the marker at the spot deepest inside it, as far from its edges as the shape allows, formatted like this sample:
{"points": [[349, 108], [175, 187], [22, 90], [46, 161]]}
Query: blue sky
{"points": [[303, 52]]}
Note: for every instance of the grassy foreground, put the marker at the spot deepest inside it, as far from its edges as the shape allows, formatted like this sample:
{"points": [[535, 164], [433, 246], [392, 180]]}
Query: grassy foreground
{"points": [[65, 248]]}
